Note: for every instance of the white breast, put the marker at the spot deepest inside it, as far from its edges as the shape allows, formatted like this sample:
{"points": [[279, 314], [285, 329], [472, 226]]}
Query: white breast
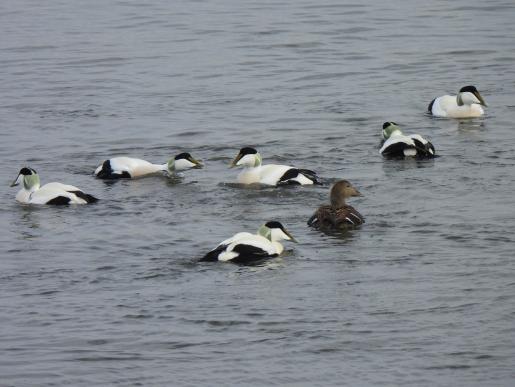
{"points": [[447, 106]]}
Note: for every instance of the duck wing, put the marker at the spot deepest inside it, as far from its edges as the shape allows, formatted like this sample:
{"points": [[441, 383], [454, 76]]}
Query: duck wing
{"points": [[249, 249], [398, 146], [336, 218], [60, 194], [424, 147], [222, 246], [299, 176]]}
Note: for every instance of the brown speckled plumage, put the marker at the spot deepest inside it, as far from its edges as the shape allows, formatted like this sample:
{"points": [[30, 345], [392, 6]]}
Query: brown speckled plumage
{"points": [[338, 215]]}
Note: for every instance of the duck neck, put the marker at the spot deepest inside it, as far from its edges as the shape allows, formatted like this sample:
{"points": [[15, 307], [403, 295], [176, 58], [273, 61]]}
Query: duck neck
{"points": [[169, 166], [31, 183], [278, 247], [337, 201], [257, 160], [459, 100], [265, 232]]}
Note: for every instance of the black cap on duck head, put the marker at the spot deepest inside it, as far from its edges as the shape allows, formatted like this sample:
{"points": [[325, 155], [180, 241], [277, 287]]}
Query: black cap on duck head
{"points": [[27, 171], [267, 230], [183, 155], [274, 224], [244, 152], [28, 181], [177, 163], [247, 151], [387, 124], [470, 89]]}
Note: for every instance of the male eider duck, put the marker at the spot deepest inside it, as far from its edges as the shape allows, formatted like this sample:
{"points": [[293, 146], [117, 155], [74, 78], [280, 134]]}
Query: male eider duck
{"points": [[271, 174], [130, 168], [397, 145], [338, 215], [245, 247], [464, 105], [51, 193]]}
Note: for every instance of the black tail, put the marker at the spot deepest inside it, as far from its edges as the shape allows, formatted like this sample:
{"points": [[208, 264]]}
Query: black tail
{"points": [[430, 106], [105, 172], [212, 256]]}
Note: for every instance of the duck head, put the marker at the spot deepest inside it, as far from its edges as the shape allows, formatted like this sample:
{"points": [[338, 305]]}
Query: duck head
{"points": [[389, 129], [183, 161], [29, 177], [340, 191], [275, 231], [469, 95], [247, 157]]}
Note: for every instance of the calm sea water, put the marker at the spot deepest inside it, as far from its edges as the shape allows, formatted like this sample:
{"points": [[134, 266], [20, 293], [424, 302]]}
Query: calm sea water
{"points": [[111, 294]]}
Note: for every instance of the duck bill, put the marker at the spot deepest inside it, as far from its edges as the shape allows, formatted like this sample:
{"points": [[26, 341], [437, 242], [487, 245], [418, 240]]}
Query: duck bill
{"points": [[357, 193], [234, 162], [290, 236], [198, 163], [15, 182], [481, 100]]}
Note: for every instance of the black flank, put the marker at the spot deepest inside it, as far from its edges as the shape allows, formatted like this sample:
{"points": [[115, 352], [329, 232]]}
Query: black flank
{"points": [[249, 254], [107, 172], [396, 150], [59, 201], [292, 173], [87, 197], [312, 175]]}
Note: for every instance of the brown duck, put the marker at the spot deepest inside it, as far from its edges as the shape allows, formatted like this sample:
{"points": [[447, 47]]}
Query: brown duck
{"points": [[338, 215]]}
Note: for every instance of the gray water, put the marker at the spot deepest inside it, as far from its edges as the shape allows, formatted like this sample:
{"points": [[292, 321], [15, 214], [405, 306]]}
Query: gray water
{"points": [[111, 294]]}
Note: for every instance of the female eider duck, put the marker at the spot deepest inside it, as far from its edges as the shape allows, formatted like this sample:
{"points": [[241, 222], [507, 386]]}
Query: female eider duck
{"points": [[51, 193], [271, 174], [338, 215], [464, 105], [130, 168], [245, 247], [397, 145]]}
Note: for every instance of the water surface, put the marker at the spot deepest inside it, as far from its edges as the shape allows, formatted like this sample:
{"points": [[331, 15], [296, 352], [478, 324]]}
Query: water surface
{"points": [[111, 294]]}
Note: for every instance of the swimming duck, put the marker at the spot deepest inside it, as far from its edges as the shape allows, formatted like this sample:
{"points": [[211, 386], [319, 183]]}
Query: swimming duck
{"points": [[466, 104], [130, 168], [338, 215], [397, 145], [51, 193], [245, 247], [271, 174]]}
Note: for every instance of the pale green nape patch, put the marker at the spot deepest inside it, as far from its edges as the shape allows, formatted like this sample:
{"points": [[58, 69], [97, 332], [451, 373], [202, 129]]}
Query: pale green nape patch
{"points": [[265, 232], [391, 129], [257, 160], [171, 165], [459, 100], [31, 181]]}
